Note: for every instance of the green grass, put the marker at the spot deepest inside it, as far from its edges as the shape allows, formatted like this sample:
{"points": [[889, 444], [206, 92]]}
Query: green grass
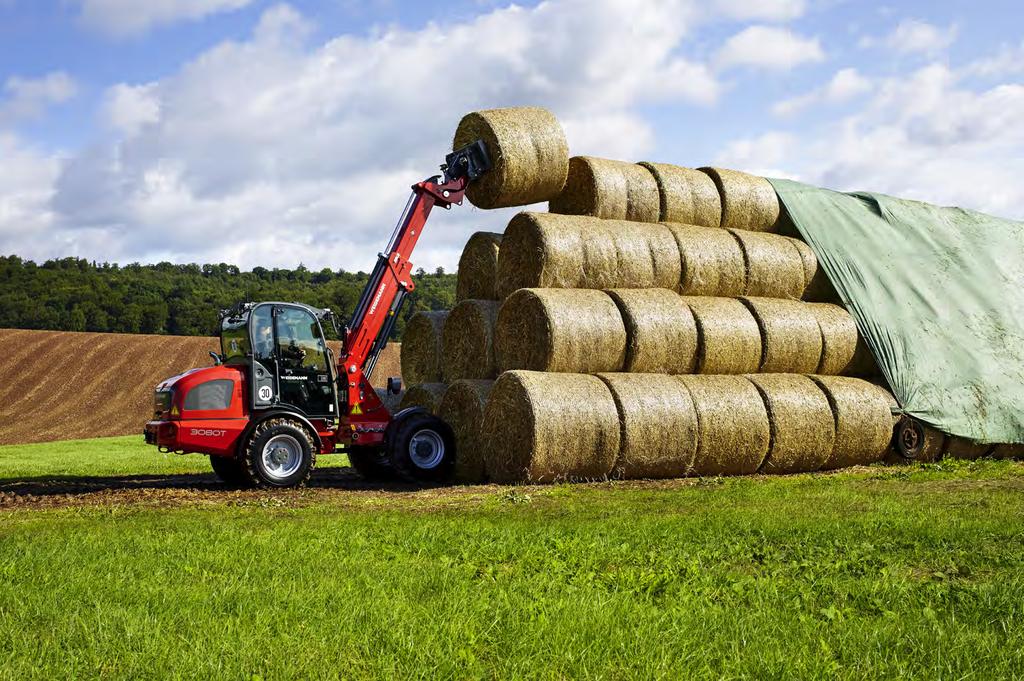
{"points": [[907, 572]]}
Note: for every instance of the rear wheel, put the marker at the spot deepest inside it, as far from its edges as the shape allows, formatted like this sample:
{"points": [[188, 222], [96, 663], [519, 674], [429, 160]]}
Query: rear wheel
{"points": [[228, 470], [279, 453], [422, 448], [372, 463]]}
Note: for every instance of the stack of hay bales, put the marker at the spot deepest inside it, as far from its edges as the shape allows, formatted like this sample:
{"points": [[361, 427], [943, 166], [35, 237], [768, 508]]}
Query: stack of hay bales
{"points": [[653, 324]]}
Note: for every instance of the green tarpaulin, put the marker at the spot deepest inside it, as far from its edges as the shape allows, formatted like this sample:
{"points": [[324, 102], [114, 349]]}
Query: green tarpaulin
{"points": [[938, 294]]}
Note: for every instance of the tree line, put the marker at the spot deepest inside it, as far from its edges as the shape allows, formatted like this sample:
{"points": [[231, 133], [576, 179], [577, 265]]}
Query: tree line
{"points": [[72, 294]]}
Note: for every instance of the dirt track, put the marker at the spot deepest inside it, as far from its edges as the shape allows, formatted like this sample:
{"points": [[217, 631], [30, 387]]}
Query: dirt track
{"points": [[57, 385]]}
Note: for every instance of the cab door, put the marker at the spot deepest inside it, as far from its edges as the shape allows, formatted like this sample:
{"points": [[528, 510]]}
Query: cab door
{"points": [[304, 378]]}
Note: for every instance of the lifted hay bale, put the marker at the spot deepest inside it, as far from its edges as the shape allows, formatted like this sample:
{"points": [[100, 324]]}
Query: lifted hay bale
{"points": [[529, 156], [462, 408], [426, 395], [421, 347], [843, 351], [802, 427], [729, 340], [732, 423], [542, 427], [467, 341], [686, 195], [542, 250], [658, 426], [790, 335], [863, 421], [712, 261], [614, 190], [748, 201], [565, 330], [478, 268], [961, 448], [774, 266], [660, 331]]}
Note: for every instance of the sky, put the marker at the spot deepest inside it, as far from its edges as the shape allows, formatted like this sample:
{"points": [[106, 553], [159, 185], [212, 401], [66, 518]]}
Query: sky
{"points": [[262, 133]]}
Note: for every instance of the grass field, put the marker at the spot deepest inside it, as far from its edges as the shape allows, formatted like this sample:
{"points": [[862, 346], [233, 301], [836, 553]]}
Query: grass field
{"points": [[880, 572]]}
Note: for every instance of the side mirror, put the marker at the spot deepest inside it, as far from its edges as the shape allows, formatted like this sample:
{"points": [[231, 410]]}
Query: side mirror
{"points": [[217, 359]]}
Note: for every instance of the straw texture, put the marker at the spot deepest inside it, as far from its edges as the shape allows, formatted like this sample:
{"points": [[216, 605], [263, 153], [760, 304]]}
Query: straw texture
{"points": [[421, 347], [962, 448], [661, 332], [478, 268], [863, 421], [542, 250], [732, 423], [773, 264], [712, 261], [544, 427], [467, 341], [528, 151], [614, 190], [566, 330], [426, 395], [462, 408], [802, 427], [790, 335], [390, 400], [658, 426], [729, 340], [686, 195], [1008, 451], [748, 202], [843, 351]]}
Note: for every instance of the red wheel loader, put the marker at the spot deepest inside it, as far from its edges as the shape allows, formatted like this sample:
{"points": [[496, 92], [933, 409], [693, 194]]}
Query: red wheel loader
{"points": [[276, 397]]}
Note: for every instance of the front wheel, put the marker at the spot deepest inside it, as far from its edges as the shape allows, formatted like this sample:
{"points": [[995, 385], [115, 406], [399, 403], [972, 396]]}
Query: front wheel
{"points": [[280, 452], [422, 447]]}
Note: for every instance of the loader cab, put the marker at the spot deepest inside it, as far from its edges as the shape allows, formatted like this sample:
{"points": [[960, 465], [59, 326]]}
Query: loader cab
{"points": [[282, 349]]}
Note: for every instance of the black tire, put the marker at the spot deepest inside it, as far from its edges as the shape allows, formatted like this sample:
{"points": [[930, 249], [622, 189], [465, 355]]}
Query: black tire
{"points": [[372, 463], [294, 446], [228, 470], [917, 442], [422, 448]]}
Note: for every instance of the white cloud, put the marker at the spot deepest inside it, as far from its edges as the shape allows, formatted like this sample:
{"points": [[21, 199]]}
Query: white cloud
{"points": [[915, 37], [1009, 61], [845, 85], [765, 10], [124, 18], [268, 151], [28, 98], [26, 185], [770, 48]]}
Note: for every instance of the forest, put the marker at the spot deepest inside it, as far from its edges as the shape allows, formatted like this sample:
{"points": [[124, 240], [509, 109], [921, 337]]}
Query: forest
{"points": [[72, 294]]}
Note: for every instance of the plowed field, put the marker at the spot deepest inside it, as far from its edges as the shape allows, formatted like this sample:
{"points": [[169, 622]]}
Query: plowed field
{"points": [[57, 385]]}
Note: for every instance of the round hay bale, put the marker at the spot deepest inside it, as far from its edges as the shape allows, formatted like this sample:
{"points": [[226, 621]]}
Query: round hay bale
{"points": [[839, 338], [817, 287], [687, 196], [661, 334], [658, 426], [803, 431], [934, 445], [426, 395], [962, 448], [421, 347], [728, 338], [529, 156], [390, 400], [615, 190], [863, 421], [542, 250], [566, 330], [732, 425], [478, 268], [748, 202], [790, 335], [1008, 451], [712, 261], [542, 427], [467, 341], [462, 408], [774, 266]]}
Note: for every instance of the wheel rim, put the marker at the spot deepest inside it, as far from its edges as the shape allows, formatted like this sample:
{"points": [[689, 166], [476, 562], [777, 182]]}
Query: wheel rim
{"points": [[426, 449], [282, 457], [911, 439]]}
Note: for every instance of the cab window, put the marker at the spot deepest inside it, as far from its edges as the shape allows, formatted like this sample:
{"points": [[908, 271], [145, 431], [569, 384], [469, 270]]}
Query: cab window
{"points": [[210, 396], [299, 343], [262, 333]]}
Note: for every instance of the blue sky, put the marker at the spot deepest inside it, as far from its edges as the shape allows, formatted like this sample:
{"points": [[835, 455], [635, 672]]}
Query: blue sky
{"points": [[269, 133]]}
